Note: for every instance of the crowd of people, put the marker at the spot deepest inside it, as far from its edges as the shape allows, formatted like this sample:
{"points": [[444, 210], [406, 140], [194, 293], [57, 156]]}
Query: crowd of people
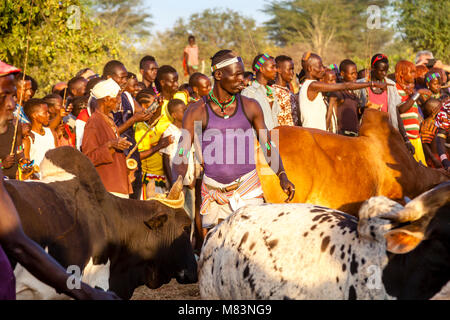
{"points": [[131, 129]]}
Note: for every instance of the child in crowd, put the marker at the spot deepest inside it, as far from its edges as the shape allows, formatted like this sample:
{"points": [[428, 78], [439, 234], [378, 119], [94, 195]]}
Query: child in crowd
{"points": [[64, 134], [428, 132], [331, 102], [177, 109], [433, 83], [132, 85], [37, 111], [348, 101], [201, 86]]}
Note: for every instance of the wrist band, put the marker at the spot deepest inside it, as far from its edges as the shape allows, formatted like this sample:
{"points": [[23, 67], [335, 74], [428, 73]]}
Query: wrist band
{"points": [[279, 174], [443, 157], [415, 96]]}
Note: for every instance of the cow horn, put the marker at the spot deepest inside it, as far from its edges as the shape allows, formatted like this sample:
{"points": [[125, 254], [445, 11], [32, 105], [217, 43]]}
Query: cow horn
{"points": [[176, 189], [426, 204]]}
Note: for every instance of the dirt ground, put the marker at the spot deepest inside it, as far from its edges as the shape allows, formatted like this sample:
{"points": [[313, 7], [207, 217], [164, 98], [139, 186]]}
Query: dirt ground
{"points": [[171, 291]]}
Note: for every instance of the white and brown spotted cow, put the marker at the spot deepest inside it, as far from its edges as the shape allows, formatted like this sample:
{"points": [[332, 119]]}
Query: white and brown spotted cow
{"points": [[303, 251]]}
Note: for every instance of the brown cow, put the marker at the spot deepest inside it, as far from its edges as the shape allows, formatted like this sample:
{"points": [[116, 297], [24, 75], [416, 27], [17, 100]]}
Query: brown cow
{"points": [[341, 172]]}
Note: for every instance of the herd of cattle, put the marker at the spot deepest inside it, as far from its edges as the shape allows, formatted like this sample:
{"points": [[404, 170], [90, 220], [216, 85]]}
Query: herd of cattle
{"points": [[348, 235]]}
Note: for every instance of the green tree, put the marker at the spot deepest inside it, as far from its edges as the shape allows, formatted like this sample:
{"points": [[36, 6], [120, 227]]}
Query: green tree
{"points": [[328, 26], [58, 45], [425, 25], [129, 17], [214, 29]]}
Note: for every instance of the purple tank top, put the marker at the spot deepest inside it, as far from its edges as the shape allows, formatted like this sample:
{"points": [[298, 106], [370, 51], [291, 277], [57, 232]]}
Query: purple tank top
{"points": [[7, 279], [228, 145]]}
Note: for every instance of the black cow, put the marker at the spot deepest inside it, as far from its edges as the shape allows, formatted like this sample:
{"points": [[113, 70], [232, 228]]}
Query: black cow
{"points": [[119, 243]]}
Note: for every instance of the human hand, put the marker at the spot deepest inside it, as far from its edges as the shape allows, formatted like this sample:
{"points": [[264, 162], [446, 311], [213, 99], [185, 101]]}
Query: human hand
{"points": [[287, 186], [120, 144], [141, 116], [8, 161], [425, 92], [165, 141]]}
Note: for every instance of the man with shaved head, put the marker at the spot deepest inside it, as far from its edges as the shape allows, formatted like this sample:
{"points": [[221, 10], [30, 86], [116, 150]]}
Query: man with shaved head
{"points": [[312, 106], [222, 118]]}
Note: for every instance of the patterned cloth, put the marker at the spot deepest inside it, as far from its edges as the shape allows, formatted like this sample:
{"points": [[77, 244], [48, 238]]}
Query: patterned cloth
{"points": [[288, 115], [19, 112], [410, 118], [443, 117], [249, 188]]}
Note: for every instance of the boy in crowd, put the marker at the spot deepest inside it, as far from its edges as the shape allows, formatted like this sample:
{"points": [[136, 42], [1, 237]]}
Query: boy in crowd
{"points": [[64, 134], [331, 102], [148, 69], [24, 93], [132, 85], [348, 101], [37, 111], [191, 55], [200, 84], [288, 115], [76, 87], [428, 132], [177, 109], [433, 83]]}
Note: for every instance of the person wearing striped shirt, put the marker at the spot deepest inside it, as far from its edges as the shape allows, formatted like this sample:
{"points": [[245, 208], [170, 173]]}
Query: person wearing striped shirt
{"points": [[405, 72]]}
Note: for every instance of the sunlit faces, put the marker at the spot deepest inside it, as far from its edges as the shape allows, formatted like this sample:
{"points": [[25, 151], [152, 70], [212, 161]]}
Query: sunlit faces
{"points": [[379, 71], [120, 76], [149, 71], [231, 78], [7, 97], [285, 70]]}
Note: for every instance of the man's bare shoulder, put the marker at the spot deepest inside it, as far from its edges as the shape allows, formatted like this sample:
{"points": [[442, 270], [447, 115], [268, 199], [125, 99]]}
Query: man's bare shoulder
{"points": [[196, 110]]}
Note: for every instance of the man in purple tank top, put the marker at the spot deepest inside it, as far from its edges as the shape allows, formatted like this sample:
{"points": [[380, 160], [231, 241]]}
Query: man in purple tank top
{"points": [[226, 123], [13, 240]]}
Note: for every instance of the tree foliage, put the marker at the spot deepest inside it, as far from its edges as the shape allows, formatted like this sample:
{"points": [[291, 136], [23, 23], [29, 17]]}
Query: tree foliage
{"points": [[129, 17], [57, 50], [214, 29], [327, 26], [426, 25]]}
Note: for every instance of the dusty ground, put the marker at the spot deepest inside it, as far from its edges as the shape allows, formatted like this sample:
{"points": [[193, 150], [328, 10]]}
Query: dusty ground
{"points": [[171, 291]]}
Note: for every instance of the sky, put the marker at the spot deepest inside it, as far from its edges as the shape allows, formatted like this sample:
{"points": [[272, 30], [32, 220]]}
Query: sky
{"points": [[166, 12]]}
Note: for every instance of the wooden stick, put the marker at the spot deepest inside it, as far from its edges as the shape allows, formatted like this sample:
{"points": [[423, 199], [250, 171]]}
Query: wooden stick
{"points": [[23, 80], [142, 138]]}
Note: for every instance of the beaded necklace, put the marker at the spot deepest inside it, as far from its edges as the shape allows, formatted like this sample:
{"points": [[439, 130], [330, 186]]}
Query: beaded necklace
{"points": [[222, 105], [269, 92]]}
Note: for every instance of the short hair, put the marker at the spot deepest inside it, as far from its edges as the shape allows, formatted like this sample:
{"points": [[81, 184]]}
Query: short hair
{"points": [[82, 71], [50, 99], [19, 76], [430, 103], [144, 96], [78, 103], [73, 81], [221, 55], [195, 77], [191, 37], [173, 104], [131, 75], [91, 84], [34, 84], [282, 58], [422, 53], [146, 59], [248, 73], [31, 106], [345, 64], [255, 60], [110, 68], [377, 59], [402, 67], [162, 71]]}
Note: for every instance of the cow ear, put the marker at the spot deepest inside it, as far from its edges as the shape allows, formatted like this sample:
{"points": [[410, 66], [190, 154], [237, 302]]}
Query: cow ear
{"points": [[402, 240], [156, 222]]}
